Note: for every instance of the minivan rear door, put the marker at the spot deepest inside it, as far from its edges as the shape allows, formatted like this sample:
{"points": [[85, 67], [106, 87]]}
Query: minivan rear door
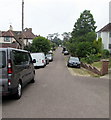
{"points": [[3, 68]]}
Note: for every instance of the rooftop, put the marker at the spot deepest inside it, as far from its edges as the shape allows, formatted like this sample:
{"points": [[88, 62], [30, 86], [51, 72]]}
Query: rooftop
{"points": [[106, 28]]}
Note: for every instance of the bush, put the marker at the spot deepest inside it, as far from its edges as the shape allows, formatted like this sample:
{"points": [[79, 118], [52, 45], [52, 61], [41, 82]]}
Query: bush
{"points": [[91, 58], [105, 53]]}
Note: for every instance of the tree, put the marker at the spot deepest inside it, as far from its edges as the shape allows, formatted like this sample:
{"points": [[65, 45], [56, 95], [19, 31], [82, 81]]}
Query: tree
{"points": [[84, 25], [40, 44], [83, 34]]}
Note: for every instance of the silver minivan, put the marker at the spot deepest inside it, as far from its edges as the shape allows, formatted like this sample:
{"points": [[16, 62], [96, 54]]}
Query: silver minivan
{"points": [[16, 70]]}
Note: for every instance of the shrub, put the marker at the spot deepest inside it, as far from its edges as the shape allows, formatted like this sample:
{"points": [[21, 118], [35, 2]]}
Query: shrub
{"points": [[105, 53]]}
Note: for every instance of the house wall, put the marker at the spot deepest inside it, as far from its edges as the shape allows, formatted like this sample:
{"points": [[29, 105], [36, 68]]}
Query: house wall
{"points": [[105, 39], [2, 40], [30, 41]]}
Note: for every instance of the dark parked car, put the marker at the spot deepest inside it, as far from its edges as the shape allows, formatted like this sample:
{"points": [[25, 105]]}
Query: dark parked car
{"points": [[74, 62], [16, 70]]}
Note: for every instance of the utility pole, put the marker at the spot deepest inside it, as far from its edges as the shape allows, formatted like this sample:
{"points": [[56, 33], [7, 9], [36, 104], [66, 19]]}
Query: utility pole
{"points": [[22, 23], [22, 15]]}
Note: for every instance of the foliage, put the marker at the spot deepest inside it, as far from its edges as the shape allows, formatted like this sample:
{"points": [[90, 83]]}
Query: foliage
{"points": [[40, 44], [91, 58], [83, 35], [84, 25], [105, 53], [57, 41], [98, 46]]}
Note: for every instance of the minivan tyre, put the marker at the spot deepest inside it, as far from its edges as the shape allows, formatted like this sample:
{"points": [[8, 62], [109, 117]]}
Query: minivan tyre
{"points": [[18, 93], [32, 81]]}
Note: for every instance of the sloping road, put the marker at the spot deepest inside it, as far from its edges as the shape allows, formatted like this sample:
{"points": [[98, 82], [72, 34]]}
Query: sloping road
{"points": [[58, 94]]}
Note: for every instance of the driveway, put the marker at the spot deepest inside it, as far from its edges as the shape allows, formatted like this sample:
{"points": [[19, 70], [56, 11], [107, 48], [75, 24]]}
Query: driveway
{"points": [[58, 94]]}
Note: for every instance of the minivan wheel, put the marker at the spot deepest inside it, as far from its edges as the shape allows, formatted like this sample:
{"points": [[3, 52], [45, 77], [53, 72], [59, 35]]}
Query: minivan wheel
{"points": [[18, 93], [33, 80]]}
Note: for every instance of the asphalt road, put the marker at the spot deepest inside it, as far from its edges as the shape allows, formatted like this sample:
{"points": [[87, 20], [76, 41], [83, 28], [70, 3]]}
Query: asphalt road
{"points": [[58, 94]]}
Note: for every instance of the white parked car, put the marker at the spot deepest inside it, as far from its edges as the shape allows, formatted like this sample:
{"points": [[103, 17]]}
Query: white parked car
{"points": [[40, 59]]}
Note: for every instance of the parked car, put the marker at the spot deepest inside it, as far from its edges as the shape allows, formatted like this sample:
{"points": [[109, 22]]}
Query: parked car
{"points": [[50, 52], [66, 52], [16, 70], [40, 59], [50, 57], [47, 60], [74, 62], [64, 49]]}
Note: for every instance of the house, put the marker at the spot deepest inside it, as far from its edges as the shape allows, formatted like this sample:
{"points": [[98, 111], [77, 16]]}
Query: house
{"points": [[27, 36], [105, 34], [16, 39], [9, 39]]}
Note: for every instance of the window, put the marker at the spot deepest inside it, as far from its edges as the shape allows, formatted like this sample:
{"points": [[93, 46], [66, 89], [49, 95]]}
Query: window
{"points": [[20, 58], [2, 59], [99, 35], [110, 34], [7, 39]]}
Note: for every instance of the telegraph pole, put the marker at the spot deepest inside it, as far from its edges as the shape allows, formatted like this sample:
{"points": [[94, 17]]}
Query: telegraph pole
{"points": [[22, 23], [22, 15]]}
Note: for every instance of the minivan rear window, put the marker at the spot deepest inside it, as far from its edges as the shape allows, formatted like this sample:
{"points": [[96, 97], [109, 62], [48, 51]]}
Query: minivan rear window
{"points": [[2, 59]]}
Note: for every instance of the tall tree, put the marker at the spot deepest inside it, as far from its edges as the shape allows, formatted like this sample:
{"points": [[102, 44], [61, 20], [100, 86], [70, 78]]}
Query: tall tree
{"points": [[84, 25], [83, 35]]}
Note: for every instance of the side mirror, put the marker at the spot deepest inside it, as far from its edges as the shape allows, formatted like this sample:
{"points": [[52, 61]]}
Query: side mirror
{"points": [[34, 61]]}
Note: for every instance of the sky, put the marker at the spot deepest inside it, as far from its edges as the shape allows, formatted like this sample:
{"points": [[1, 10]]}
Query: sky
{"points": [[51, 16]]}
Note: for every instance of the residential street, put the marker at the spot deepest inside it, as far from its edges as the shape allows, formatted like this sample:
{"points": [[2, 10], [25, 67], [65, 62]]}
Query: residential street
{"points": [[58, 94]]}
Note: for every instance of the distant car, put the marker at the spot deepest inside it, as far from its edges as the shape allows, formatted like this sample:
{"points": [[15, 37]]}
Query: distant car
{"points": [[50, 52], [47, 60], [74, 62], [50, 57], [66, 52], [64, 49], [40, 59]]}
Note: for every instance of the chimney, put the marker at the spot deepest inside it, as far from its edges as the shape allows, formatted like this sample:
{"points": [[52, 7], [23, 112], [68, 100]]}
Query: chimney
{"points": [[30, 29], [10, 28]]}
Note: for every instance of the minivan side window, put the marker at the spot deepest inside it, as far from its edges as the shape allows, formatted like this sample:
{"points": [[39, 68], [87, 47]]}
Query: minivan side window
{"points": [[2, 59], [20, 58]]}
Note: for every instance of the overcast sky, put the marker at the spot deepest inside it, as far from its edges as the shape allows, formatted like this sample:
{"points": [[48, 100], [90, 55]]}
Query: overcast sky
{"points": [[51, 16]]}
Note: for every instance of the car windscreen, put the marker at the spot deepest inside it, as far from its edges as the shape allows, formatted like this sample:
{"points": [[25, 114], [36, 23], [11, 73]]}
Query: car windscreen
{"points": [[48, 55], [74, 59], [2, 59]]}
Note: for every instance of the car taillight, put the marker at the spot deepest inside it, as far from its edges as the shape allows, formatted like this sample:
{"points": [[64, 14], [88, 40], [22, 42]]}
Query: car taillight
{"points": [[42, 61], [9, 67]]}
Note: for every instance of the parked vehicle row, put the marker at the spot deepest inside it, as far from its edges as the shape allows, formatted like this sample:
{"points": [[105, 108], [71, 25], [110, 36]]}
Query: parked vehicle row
{"points": [[41, 59], [17, 70]]}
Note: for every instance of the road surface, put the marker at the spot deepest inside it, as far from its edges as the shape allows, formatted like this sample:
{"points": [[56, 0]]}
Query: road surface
{"points": [[58, 94]]}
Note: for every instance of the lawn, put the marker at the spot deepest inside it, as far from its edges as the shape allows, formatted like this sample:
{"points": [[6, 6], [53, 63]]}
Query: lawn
{"points": [[97, 65]]}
